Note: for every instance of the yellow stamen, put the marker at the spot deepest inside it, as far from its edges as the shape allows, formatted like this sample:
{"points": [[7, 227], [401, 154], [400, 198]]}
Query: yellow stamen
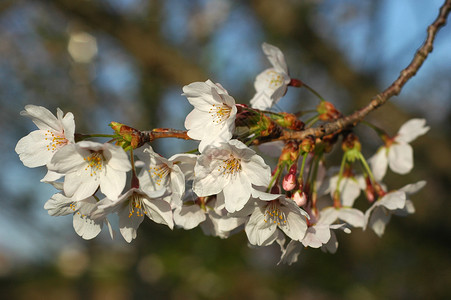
{"points": [[95, 162], [230, 166], [274, 214], [275, 80], [159, 173], [219, 113], [135, 206], [55, 140]]}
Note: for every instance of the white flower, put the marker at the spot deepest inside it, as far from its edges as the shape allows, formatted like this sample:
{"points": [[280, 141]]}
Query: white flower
{"points": [[88, 165], [131, 208], [209, 214], [231, 168], [350, 187], [84, 225], [213, 116], [161, 173], [395, 202], [271, 84], [321, 234], [397, 153], [38, 147], [272, 214]]}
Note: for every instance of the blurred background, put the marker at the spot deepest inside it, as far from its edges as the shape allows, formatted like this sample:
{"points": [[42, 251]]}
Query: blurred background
{"points": [[127, 61]]}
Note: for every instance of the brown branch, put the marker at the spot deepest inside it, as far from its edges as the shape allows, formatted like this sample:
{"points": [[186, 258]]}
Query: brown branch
{"points": [[381, 98], [158, 133], [353, 119]]}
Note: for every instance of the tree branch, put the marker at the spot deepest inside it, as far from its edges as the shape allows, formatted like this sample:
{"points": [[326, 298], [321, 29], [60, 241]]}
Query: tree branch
{"points": [[381, 98]]}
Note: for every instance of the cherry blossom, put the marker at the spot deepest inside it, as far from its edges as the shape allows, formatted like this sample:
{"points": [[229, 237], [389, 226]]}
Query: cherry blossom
{"points": [[393, 203], [162, 173], [274, 213], [131, 208], [232, 168], [208, 213], [88, 165], [397, 152], [213, 116], [272, 83], [84, 225], [38, 147]]}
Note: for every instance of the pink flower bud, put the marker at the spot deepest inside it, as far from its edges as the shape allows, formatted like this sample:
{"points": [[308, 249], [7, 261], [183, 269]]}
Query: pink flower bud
{"points": [[300, 198], [289, 182], [369, 190]]}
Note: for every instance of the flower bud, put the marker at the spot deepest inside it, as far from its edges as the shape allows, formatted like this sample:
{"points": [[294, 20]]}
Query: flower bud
{"points": [[351, 142], [327, 111], [300, 198], [126, 137], [369, 190], [379, 190], [287, 120], [308, 144], [290, 153], [289, 182]]}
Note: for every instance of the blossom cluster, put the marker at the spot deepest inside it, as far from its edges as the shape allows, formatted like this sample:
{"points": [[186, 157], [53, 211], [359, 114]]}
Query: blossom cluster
{"points": [[226, 186]]}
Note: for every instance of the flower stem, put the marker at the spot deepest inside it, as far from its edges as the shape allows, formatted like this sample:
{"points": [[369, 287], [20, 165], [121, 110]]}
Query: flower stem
{"points": [[313, 91]]}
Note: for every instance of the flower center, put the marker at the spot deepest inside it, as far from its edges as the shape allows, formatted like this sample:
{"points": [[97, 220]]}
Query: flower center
{"points": [[220, 112], [274, 214], [135, 206], [159, 173], [95, 162], [275, 80], [55, 140], [230, 166]]}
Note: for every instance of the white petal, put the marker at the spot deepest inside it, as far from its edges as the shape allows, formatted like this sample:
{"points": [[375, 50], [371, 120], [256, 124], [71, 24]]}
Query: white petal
{"points": [[413, 187], [276, 57], [411, 130], [352, 216], [332, 244], [116, 158], [113, 182], [52, 177], [393, 200], [291, 253], [400, 158], [80, 185], [296, 225], [379, 163], [86, 227], [159, 211], [237, 193], [350, 190], [68, 159], [262, 99], [69, 127], [128, 225], [379, 218], [42, 117], [32, 149], [258, 231], [60, 205], [189, 216], [258, 172]]}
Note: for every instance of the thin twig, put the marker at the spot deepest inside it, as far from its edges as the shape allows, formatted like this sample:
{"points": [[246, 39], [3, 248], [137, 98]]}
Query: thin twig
{"points": [[393, 90], [351, 120]]}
